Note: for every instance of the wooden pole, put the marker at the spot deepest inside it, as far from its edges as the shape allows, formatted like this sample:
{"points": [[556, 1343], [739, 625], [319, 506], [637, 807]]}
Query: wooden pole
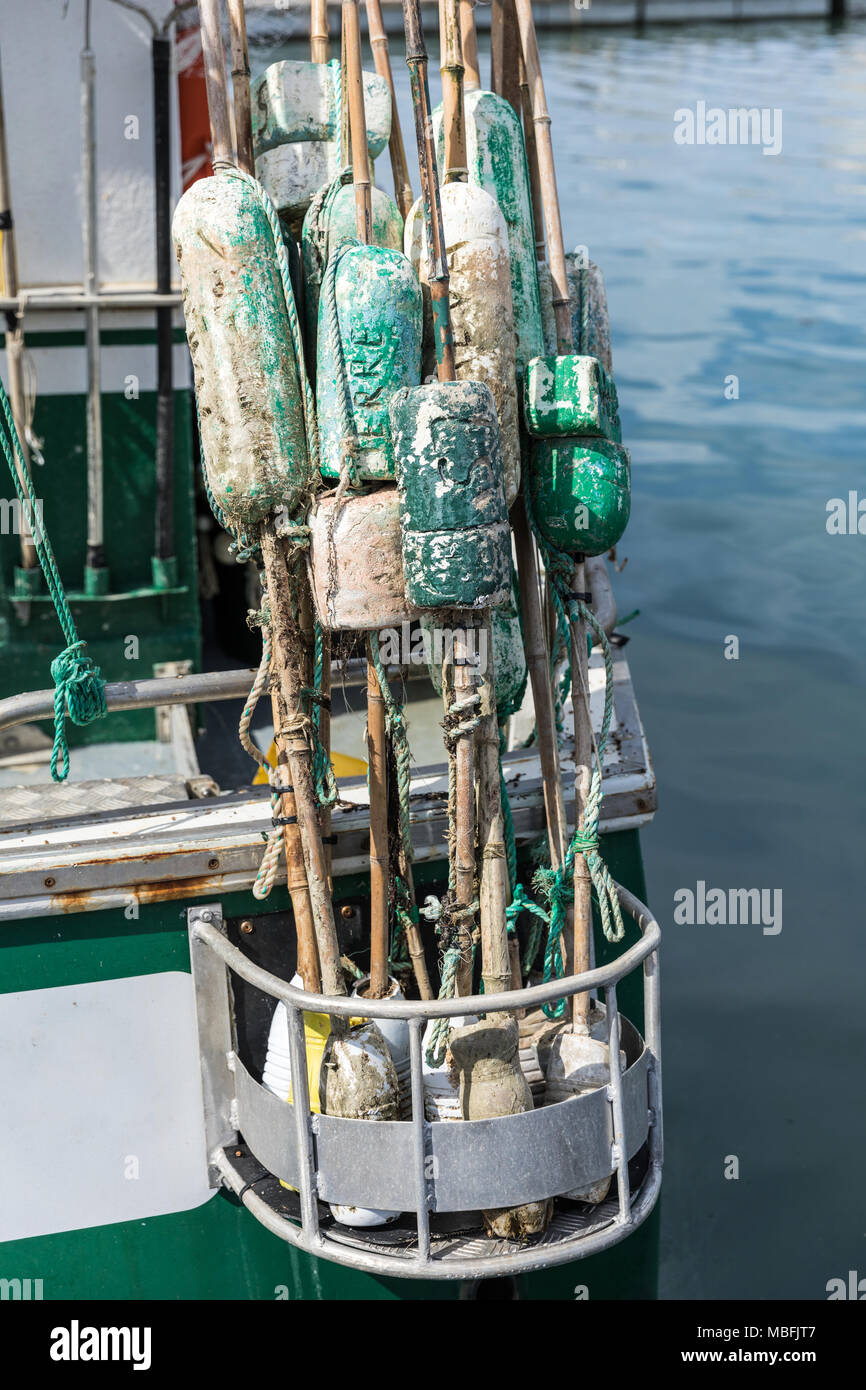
{"points": [[451, 69], [296, 873], [503, 52], [532, 162], [538, 662], [382, 59], [286, 643], [214, 58], [579, 947], [577, 937], [547, 177], [241, 85], [357, 121], [377, 756], [469, 39], [463, 673], [287, 655], [319, 39]]}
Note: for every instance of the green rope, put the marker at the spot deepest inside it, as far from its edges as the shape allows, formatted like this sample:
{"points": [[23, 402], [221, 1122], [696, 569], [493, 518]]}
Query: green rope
{"points": [[79, 690], [323, 771]]}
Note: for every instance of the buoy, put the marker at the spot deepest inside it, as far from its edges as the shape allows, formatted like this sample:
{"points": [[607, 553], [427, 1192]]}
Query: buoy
{"points": [[359, 1082], [496, 162], [296, 128], [246, 376], [492, 1084], [329, 222], [356, 562], [454, 519], [369, 347], [395, 1032], [482, 319]]}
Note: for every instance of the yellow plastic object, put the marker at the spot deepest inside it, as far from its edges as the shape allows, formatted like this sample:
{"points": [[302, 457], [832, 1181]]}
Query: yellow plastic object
{"points": [[344, 766]]}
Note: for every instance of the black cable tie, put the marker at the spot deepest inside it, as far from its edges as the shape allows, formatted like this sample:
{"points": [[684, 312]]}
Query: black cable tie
{"points": [[329, 839], [281, 787], [284, 820], [576, 594]]}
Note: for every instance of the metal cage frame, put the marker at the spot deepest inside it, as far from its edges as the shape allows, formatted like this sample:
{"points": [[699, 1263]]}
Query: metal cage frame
{"points": [[422, 1166]]}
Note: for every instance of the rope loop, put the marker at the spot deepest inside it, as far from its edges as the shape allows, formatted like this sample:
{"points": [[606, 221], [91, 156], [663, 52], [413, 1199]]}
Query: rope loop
{"points": [[79, 694]]}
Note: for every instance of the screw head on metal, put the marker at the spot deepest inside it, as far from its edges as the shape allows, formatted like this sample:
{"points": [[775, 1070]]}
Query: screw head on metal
{"points": [[247, 927]]}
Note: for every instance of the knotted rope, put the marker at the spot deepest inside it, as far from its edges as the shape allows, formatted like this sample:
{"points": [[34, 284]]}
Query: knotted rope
{"points": [[79, 690]]}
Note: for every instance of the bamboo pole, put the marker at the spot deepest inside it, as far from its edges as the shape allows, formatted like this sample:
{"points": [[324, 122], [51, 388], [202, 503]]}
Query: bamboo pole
{"points": [[287, 645], [493, 885], [377, 759], [577, 938], [319, 38], [532, 162], [503, 51], [241, 85], [213, 55], [469, 39], [546, 176], [382, 59], [296, 873], [538, 662], [463, 677]]}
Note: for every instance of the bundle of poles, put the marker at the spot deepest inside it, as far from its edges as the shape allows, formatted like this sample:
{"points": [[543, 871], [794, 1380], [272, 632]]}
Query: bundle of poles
{"points": [[476, 834]]}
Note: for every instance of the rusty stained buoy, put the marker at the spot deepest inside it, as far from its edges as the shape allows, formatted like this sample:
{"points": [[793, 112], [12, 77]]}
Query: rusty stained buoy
{"points": [[482, 315], [372, 351], [296, 136], [246, 375], [453, 516], [356, 563]]}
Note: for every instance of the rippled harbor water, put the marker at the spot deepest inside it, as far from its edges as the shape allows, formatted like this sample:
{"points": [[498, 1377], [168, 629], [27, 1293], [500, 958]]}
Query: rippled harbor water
{"points": [[724, 262]]}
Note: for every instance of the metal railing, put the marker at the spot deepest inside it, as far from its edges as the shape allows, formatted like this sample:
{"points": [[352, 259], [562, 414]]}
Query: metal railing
{"points": [[525, 1153]]}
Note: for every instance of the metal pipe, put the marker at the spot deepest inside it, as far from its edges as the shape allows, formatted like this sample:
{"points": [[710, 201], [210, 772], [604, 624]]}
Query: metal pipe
{"points": [[340, 1006], [94, 581], [161, 64], [301, 1109], [451, 1267], [615, 1097], [196, 688], [14, 332], [39, 301], [419, 1138]]}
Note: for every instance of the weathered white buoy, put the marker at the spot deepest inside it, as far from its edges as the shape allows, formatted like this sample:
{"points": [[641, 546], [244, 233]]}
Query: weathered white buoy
{"points": [[296, 135], [395, 1031], [492, 1084], [496, 159], [356, 563], [578, 1062], [359, 1082], [482, 317]]}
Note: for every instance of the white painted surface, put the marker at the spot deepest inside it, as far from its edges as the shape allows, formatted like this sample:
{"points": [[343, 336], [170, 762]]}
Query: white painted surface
{"points": [[99, 1081], [40, 57]]}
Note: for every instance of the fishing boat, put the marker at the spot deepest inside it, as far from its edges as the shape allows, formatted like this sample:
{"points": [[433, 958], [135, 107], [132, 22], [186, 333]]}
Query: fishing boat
{"points": [[276, 437]]}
